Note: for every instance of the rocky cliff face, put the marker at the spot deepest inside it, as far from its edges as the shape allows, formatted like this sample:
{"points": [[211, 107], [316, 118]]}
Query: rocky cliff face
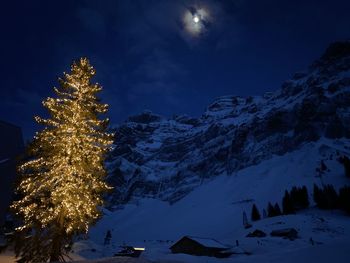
{"points": [[167, 158]]}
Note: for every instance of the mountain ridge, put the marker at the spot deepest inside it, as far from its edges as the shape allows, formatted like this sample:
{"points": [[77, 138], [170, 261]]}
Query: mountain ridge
{"points": [[167, 158]]}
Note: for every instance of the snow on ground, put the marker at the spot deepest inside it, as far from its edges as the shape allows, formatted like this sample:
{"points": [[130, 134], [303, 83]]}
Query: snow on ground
{"points": [[8, 256], [214, 210], [330, 232]]}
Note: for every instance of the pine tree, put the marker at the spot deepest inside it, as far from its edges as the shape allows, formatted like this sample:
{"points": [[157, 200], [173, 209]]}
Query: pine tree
{"points": [[317, 194], [299, 197], [326, 198], [270, 210], [62, 182], [287, 204], [344, 198], [346, 162], [293, 197], [255, 213], [277, 209], [305, 197], [331, 197]]}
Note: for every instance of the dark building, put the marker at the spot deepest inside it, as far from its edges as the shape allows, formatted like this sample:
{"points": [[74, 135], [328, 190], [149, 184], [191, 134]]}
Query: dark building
{"points": [[11, 146], [201, 247], [130, 251], [289, 233]]}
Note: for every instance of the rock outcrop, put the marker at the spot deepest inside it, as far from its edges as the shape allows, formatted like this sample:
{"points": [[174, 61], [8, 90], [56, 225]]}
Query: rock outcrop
{"points": [[167, 158]]}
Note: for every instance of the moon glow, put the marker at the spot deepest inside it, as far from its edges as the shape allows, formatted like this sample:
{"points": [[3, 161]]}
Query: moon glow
{"points": [[195, 21]]}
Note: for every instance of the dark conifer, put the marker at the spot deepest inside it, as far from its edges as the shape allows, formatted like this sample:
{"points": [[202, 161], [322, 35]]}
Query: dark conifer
{"points": [[294, 198], [331, 197], [344, 198], [326, 198], [346, 162], [299, 197], [317, 194], [277, 209], [255, 213], [305, 197], [270, 210], [287, 204]]}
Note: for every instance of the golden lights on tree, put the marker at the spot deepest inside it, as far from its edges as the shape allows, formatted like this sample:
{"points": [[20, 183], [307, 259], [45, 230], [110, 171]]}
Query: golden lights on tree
{"points": [[63, 180]]}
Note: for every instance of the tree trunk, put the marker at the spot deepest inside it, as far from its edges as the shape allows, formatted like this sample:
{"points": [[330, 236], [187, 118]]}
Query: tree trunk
{"points": [[56, 248]]}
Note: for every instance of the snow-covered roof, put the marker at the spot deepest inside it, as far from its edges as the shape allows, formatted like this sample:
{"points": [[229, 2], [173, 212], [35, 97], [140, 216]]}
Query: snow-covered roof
{"points": [[208, 242]]}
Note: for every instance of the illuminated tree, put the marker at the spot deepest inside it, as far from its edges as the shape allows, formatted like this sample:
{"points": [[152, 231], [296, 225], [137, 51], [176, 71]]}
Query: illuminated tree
{"points": [[63, 180]]}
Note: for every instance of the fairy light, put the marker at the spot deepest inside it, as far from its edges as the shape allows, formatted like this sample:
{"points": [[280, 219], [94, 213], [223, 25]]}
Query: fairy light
{"points": [[63, 182]]}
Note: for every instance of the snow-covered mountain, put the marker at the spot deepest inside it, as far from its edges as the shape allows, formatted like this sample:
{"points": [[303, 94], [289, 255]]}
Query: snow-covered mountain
{"points": [[166, 159], [215, 208], [197, 176]]}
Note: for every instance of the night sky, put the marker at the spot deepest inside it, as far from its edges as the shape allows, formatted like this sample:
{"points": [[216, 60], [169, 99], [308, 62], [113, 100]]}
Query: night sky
{"points": [[146, 58]]}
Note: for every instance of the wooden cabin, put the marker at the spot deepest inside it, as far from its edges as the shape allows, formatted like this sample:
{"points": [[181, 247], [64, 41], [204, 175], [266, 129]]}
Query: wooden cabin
{"points": [[199, 246]]}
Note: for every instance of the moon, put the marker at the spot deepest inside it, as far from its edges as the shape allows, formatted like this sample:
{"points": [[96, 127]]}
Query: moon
{"points": [[195, 21]]}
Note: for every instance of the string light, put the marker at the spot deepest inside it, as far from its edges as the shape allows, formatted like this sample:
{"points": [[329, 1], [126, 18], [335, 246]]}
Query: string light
{"points": [[63, 182]]}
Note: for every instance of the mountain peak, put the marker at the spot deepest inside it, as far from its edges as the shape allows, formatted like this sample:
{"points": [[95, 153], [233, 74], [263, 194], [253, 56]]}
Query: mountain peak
{"points": [[145, 117], [337, 50], [166, 159]]}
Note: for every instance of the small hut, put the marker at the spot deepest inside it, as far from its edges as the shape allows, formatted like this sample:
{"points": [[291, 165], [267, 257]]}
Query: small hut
{"points": [[130, 251], [199, 246]]}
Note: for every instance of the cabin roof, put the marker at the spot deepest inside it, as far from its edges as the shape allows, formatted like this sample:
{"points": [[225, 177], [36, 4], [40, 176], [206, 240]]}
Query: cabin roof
{"points": [[208, 242]]}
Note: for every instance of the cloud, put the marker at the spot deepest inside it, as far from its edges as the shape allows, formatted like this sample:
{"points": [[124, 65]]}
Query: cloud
{"points": [[145, 34], [167, 20], [141, 25], [158, 75], [217, 21]]}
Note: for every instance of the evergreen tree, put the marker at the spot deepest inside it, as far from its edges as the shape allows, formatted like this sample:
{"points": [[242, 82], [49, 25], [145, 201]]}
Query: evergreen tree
{"points": [[287, 204], [346, 162], [270, 210], [317, 194], [305, 197], [320, 197], [62, 182], [331, 197], [326, 198], [277, 209], [255, 213], [344, 198], [299, 197], [294, 198]]}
